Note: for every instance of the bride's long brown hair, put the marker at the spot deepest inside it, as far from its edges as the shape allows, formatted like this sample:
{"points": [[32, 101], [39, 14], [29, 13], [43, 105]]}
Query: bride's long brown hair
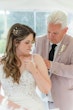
{"points": [[17, 33]]}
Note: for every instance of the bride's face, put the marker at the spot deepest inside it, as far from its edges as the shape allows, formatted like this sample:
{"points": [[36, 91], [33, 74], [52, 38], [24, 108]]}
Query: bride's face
{"points": [[24, 47]]}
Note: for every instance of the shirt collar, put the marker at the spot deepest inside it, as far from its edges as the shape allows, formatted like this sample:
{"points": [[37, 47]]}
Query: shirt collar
{"points": [[58, 44]]}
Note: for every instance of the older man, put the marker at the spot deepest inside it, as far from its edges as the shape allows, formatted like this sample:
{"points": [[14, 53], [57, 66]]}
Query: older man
{"points": [[57, 50]]}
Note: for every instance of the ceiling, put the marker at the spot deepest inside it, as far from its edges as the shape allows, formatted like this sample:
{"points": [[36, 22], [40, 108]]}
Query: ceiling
{"points": [[36, 5]]}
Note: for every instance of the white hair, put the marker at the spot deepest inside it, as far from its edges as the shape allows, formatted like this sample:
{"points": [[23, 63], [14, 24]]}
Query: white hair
{"points": [[58, 17]]}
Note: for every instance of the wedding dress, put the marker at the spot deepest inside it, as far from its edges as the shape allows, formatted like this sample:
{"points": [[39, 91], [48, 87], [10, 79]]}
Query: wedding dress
{"points": [[23, 93]]}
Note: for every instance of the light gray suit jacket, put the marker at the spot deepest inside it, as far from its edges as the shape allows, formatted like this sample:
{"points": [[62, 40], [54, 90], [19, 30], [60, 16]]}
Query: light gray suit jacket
{"points": [[61, 71]]}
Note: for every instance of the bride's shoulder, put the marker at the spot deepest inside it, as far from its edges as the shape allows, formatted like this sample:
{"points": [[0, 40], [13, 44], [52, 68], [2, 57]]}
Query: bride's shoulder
{"points": [[37, 57]]}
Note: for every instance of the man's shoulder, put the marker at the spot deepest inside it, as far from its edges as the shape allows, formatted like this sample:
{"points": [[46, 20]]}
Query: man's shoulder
{"points": [[68, 38]]}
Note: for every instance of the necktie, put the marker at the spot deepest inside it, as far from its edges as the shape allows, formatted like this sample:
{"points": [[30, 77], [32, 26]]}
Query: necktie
{"points": [[51, 53]]}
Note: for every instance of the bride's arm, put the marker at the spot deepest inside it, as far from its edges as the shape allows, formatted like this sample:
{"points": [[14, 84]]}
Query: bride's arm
{"points": [[40, 73], [9, 104]]}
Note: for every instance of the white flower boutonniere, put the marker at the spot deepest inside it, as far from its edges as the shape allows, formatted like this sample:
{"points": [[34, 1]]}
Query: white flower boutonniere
{"points": [[62, 48]]}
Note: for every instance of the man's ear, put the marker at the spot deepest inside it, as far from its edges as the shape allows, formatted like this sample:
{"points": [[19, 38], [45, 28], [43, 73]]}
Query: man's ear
{"points": [[65, 29]]}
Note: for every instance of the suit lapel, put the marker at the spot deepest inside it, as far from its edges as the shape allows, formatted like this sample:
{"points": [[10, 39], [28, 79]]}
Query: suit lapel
{"points": [[62, 48]]}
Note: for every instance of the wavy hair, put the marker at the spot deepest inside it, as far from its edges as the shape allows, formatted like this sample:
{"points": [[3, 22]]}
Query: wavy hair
{"points": [[11, 62]]}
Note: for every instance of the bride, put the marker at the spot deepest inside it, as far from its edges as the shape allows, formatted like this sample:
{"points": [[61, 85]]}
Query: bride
{"points": [[21, 72]]}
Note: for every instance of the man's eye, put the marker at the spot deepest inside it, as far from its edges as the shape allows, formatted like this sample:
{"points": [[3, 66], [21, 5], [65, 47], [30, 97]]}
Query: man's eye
{"points": [[55, 33], [48, 32]]}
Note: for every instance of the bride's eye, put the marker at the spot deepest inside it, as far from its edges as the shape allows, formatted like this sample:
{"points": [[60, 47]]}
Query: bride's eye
{"points": [[27, 42]]}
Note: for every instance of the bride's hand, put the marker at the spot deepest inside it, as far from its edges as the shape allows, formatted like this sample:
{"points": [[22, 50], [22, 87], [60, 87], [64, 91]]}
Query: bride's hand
{"points": [[29, 65]]}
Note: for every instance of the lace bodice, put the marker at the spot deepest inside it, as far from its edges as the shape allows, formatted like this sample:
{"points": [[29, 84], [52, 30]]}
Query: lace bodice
{"points": [[23, 93]]}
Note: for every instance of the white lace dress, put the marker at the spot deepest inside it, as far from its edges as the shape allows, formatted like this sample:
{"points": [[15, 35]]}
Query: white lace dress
{"points": [[23, 93]]}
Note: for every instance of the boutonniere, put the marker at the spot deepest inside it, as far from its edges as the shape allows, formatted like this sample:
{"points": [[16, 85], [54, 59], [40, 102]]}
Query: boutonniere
{"points": [[62, 48]]}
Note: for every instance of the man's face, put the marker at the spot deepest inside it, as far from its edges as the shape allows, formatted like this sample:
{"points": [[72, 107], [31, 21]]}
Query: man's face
{"points": [[56, 33]]}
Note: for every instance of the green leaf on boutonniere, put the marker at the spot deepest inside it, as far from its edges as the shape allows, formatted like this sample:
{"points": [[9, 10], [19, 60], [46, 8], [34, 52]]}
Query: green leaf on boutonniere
{"points": [[62, 48]]}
